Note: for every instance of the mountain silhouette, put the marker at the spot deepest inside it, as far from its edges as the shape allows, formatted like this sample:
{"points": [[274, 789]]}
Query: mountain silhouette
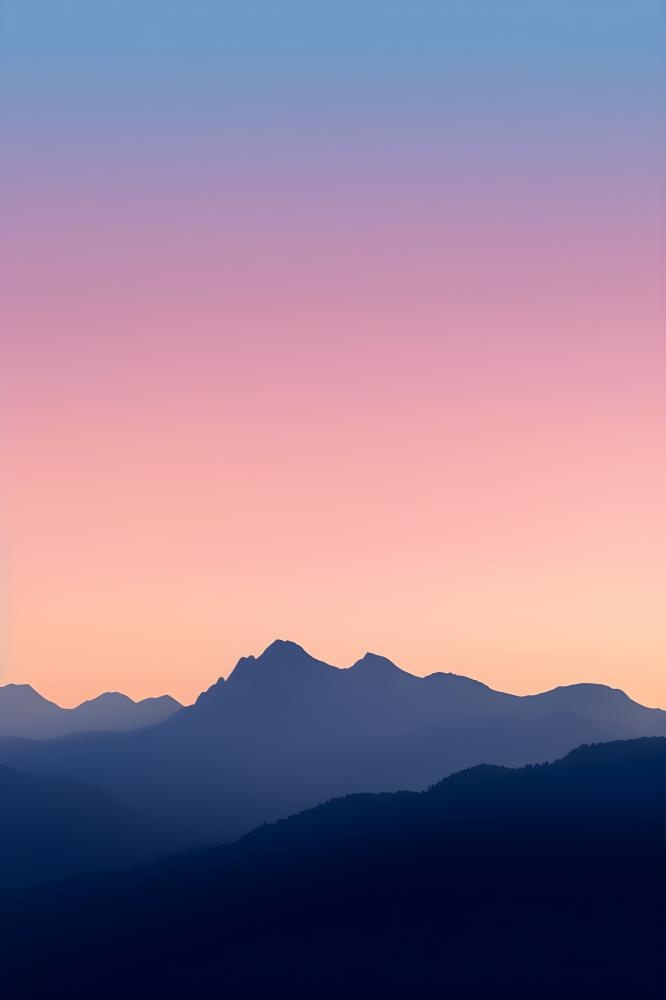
{"points": [[285, 732], [52, 828], [542, 881], [25, 712]]}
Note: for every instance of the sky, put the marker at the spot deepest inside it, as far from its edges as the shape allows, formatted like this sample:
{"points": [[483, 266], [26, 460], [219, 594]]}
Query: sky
{"points": [[340, 322]]}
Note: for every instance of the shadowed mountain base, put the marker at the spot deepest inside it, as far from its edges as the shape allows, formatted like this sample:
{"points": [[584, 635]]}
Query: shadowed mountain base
{"points": [[545, 881]]}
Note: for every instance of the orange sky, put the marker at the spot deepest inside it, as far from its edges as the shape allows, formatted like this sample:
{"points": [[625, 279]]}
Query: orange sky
{"points": [[371, 360]]}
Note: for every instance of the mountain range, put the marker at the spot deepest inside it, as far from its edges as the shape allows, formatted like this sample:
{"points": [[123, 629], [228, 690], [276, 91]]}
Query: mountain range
{"points": [[542, 881], [286, 732], [24, 712]]}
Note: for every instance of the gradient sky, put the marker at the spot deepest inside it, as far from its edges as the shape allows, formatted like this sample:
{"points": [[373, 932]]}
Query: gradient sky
{"points": [[334, 321]]}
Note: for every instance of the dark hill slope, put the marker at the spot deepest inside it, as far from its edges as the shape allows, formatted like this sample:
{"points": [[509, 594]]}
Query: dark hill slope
{"points": [[544, 881], [53, 828]]}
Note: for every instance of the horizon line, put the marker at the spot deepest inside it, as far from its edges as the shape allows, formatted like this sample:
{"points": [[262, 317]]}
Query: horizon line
{"points": [[277, 643]]}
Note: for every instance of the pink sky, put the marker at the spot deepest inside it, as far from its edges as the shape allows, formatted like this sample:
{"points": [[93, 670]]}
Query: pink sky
{"points": [[364, 397]]}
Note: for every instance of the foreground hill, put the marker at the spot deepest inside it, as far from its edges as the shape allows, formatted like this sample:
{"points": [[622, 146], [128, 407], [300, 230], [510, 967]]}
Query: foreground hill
{"points": [[287, 731], [26, 713], [542, 881]]}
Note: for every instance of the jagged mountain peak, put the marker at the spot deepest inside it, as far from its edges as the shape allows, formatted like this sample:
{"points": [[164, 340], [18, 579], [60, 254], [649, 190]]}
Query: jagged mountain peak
{"points": [[109, 698], [281, 648], [377, 664], [283, 656]]}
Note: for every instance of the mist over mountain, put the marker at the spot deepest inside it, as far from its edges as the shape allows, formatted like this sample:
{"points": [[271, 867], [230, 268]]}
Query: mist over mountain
{"points": [[24, 712], [286, 731], [540, 881], [52, 828]]}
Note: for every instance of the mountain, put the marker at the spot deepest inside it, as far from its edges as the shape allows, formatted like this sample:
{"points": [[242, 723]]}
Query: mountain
{"points": [[116, 712], [53, 828], [24, 712], [286, 731], [542, 881]]}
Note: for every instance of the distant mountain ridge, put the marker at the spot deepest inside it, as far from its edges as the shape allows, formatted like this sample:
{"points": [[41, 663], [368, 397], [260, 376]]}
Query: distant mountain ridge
{"points": [[286, 731], [26, 713]]}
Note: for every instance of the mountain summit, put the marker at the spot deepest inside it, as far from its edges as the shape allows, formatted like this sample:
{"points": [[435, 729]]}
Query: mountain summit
{"points": [[286, 731], [372, 662]]}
